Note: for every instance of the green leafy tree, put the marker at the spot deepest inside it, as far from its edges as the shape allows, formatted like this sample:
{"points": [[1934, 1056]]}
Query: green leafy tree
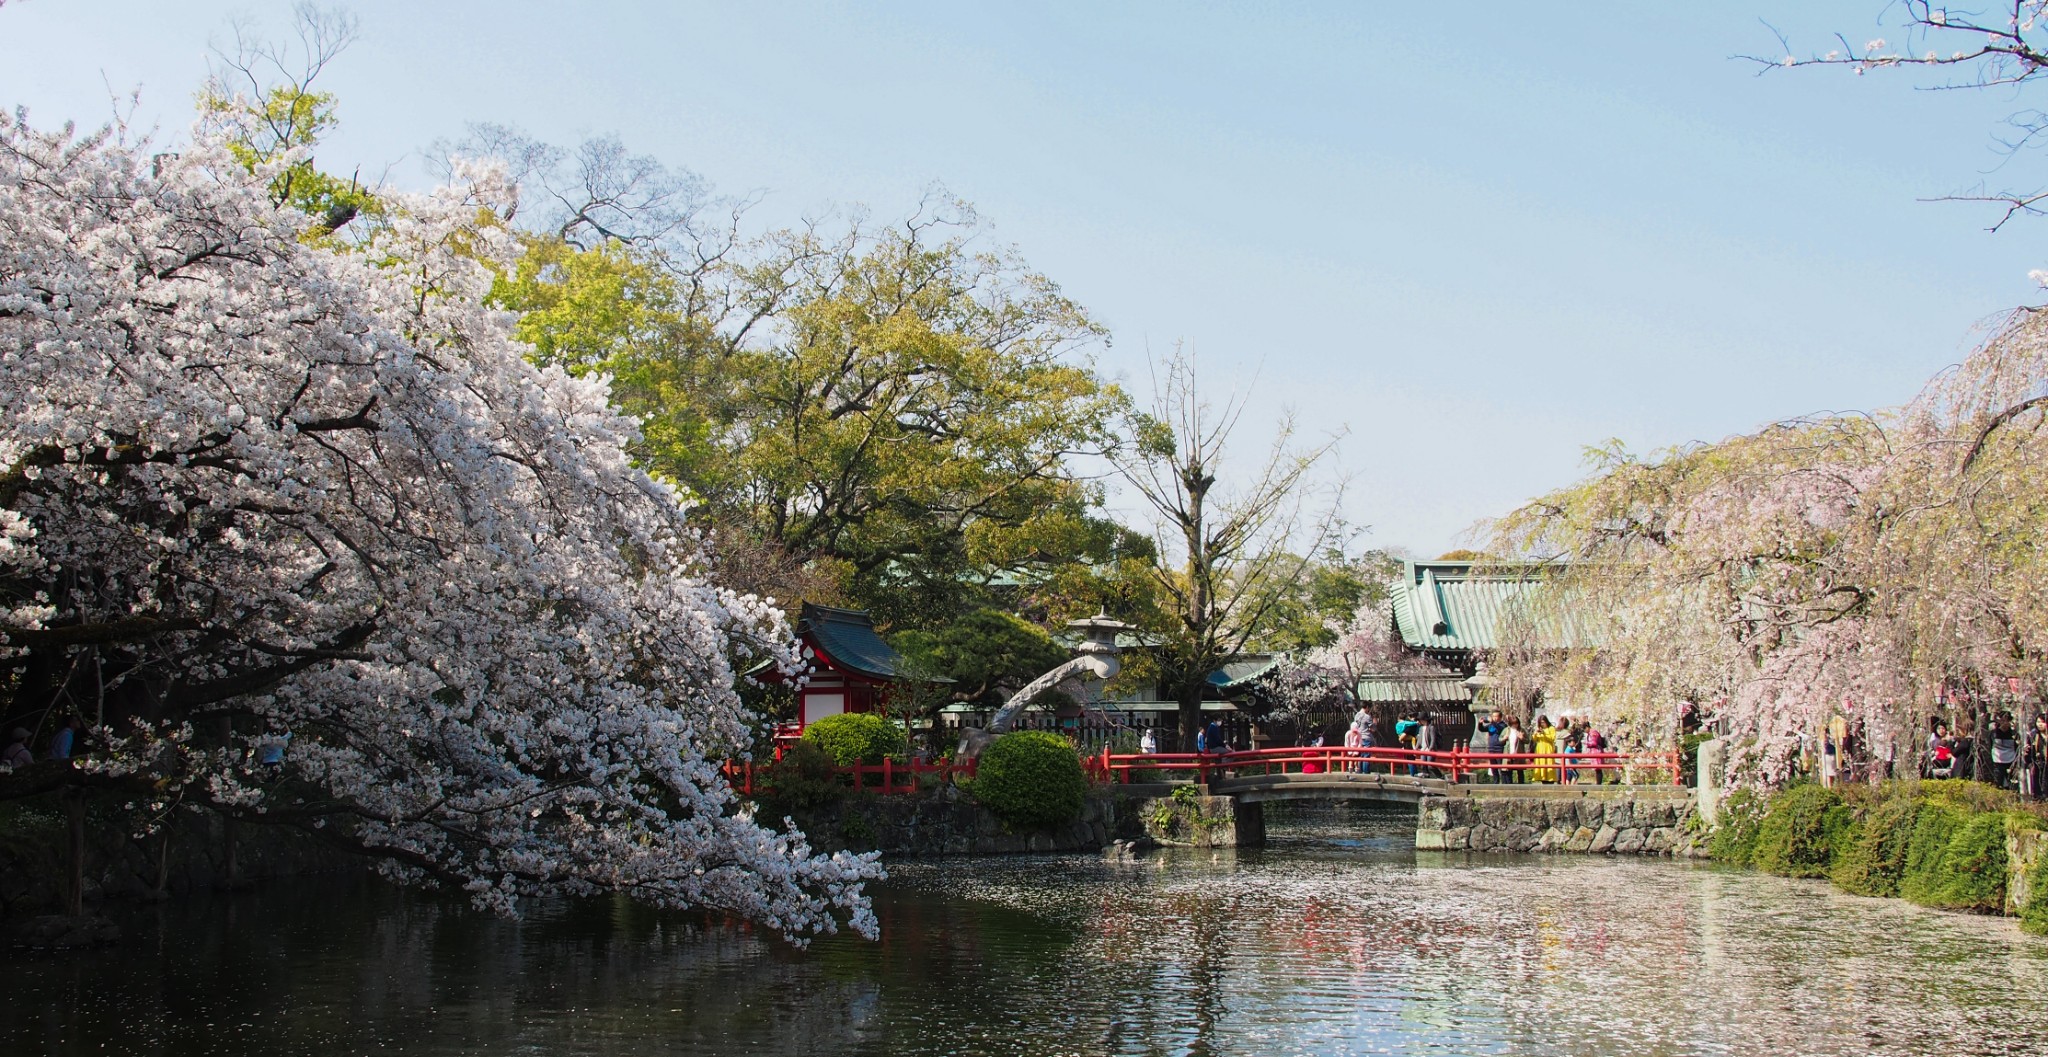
{"points": [[889, 408], [261, 97], [985, 653]]}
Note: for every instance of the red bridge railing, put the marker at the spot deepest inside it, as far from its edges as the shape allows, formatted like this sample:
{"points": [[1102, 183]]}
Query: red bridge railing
{"points": [[1455, 765], [887, 778]]}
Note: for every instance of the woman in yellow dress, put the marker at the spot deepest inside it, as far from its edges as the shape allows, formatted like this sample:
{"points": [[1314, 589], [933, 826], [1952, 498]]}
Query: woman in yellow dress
{"points": [[1545, 743]]}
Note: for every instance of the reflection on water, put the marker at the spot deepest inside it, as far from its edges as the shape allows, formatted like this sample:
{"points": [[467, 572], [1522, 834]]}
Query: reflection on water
{"points": [[1338, 939]]}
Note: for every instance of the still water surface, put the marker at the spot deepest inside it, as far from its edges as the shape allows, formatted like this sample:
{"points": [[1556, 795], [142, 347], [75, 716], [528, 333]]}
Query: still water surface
{"points": [[1338, 939]]}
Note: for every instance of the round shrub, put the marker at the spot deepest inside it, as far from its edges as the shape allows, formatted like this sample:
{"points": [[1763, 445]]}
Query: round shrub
{"points": [[1797, 835], [1973, 866], [1031, 779], [804, 778], [1734, 839], [857, 737], [1923, 879], [1873, 854]]}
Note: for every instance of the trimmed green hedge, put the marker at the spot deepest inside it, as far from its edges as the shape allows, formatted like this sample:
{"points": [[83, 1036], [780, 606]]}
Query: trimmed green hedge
{"points": [[1938, 844], [1734, 839], [1798, 835], [1972, 875], [1872, 857], [1933, 826], [1031, 779], [857, 737]]}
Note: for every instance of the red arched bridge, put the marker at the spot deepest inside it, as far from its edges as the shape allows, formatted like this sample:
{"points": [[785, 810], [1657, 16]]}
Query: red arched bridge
{"points": [[1308, 772], [1338, 773]]}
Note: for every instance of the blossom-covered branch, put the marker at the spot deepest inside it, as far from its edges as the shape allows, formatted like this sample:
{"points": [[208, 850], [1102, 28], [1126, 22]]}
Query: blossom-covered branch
{"points": [[253, 484]]}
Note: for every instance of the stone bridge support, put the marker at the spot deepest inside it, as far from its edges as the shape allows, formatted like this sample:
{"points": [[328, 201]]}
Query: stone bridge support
{"points": [[1250, 820]]}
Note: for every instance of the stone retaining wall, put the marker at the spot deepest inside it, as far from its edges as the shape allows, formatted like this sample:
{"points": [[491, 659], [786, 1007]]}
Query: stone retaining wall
{"points": [[191, 851], [950, 822], [2023, 852], [1198, 821], [1589, 821]]}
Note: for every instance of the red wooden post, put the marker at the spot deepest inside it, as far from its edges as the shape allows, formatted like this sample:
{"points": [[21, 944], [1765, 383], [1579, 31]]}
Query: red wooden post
{"points": [[888, 776]]}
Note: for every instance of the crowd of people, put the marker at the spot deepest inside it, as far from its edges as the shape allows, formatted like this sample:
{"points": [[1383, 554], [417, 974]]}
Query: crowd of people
{"points": [[2019, 758], [1497, 734]]}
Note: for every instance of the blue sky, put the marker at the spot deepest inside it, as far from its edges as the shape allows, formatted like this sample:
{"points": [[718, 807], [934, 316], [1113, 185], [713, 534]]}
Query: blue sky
{"points": [[1478, 239]]}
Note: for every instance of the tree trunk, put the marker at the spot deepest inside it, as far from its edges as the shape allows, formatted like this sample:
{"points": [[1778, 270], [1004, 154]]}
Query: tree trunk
{"points": [[1980, 740]]}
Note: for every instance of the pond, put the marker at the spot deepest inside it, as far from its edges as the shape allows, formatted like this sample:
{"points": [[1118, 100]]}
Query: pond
{"points": [[1336, 939]]}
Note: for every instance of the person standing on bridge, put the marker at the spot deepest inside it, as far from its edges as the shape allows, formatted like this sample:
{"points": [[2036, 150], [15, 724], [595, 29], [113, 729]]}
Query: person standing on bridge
{"points": [[1496, 728], [1404, 735], [1354, 745], [1513, 742]]}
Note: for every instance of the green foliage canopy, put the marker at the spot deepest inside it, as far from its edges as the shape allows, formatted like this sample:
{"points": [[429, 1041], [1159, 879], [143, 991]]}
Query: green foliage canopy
{"points": [[986, 653], [892, 404]]}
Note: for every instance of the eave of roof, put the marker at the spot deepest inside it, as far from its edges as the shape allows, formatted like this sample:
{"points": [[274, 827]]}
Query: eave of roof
{"points": [[1450, 606], [1415, 689], [846, 639], [1238, 674]]}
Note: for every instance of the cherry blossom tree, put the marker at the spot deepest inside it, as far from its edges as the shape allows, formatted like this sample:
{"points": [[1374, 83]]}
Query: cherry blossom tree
{"points": [[1872, 567], [2002, 47], [254, 485]]}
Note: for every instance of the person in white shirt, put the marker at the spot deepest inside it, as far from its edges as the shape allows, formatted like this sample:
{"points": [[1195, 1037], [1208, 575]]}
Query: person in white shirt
{"points": [[17, 753]]}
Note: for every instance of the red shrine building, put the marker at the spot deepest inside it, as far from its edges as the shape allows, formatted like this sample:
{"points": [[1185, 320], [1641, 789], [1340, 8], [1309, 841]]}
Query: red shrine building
{"points": [[852, 669]]}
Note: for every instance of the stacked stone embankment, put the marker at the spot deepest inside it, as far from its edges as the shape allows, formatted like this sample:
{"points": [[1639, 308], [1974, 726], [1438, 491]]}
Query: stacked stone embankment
{"points": [[950, 822], [1588, 821], [189, 852]]}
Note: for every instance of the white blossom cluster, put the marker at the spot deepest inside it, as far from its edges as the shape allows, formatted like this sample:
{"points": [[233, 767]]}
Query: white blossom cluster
{"points": [[264, 486]]}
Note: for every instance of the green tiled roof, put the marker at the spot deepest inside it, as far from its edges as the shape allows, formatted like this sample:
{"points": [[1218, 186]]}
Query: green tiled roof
{"points": [[1413, 689], [1235, 674], [847, 638], [1450, 606]]}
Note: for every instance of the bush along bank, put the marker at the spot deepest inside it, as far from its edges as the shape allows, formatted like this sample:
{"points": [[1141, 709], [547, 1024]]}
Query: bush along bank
{"points": [[1029, 795], [1951, 844]]}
